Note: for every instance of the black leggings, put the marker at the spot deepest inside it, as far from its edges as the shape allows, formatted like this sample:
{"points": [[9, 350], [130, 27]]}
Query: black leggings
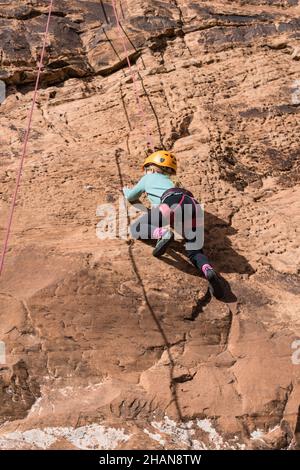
{"points": [[145, 225]]}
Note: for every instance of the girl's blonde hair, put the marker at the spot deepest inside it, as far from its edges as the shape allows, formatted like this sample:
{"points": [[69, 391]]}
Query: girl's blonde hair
{"points": [[164, 171]]}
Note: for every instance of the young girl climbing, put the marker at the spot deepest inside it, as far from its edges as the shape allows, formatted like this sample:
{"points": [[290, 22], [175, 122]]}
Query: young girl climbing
{"points": [[173, 208]]}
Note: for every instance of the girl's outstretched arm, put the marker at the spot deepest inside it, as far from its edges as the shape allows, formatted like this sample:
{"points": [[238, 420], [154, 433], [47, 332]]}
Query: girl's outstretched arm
{"points": [[133, 194]]}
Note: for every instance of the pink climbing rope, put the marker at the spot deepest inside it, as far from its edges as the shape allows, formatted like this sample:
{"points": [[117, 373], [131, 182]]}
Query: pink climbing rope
{"points": [[26, 138], [150, 142]]}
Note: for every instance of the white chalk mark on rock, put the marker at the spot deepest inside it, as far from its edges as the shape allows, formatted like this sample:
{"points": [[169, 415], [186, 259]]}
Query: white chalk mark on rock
{"points": [[214, 437], [92, 436]]}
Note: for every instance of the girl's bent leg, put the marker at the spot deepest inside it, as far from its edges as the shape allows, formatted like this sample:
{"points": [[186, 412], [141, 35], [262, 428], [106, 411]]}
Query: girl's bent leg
{"points": [[201, 262], [146, 225], [198, 258]]}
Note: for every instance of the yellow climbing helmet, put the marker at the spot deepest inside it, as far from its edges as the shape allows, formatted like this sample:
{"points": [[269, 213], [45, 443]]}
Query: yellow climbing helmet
{"points": [[162, 158]]}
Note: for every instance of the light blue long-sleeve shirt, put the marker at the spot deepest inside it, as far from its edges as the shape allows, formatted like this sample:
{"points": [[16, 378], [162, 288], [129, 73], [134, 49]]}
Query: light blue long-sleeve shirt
{"points": [[153, 184]]}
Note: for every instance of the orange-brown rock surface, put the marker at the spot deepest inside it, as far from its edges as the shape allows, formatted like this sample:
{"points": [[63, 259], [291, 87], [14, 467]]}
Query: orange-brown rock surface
{"points": [[106, 346]]}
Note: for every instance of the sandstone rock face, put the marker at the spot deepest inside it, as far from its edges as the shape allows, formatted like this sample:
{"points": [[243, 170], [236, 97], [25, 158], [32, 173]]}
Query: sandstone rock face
{"points": [[106, 346]]}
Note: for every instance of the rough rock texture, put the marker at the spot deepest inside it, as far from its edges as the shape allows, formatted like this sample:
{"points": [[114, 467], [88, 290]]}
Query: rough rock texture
{"points": [[106, 346]]}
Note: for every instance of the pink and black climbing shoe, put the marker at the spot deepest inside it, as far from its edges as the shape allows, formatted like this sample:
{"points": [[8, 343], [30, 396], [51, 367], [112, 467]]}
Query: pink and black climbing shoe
{"points": [[162, 243], [215, 283]]}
